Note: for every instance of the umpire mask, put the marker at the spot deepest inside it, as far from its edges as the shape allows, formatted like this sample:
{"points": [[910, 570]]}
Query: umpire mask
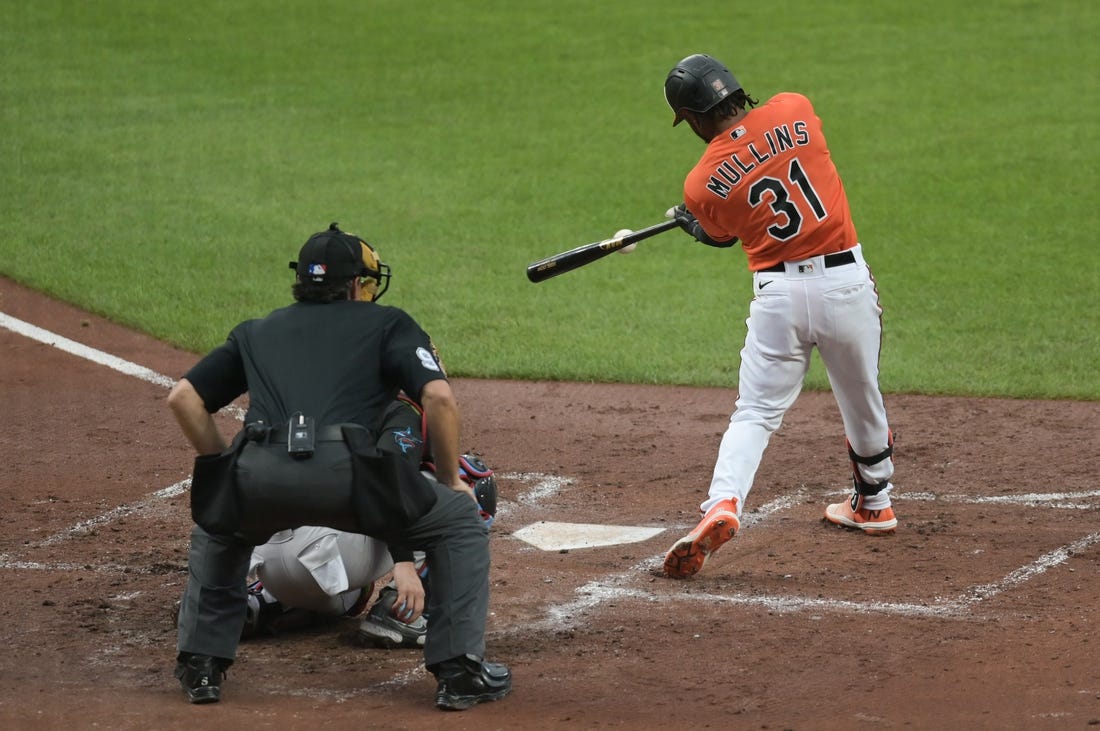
{"points": [[374, 282]]}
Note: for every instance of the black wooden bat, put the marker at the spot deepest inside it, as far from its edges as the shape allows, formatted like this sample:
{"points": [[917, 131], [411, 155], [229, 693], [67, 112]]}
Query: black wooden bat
{"points": [[567, 261]]}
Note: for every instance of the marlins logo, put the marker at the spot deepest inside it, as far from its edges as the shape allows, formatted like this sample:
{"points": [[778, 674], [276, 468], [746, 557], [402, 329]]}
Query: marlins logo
{"points": [[405, 440]]}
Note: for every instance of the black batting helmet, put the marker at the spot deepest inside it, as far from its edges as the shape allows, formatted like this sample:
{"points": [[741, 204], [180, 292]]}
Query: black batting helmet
{"points": [[697, 84]]}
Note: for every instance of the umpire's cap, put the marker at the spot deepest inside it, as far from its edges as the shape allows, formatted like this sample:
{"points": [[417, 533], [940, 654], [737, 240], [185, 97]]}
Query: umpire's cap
{"points": [[697, 84], [333, 255]]}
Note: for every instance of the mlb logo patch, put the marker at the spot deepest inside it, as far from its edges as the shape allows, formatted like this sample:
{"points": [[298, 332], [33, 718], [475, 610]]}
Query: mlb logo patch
{"points": [[317, 270], [805, 268]]}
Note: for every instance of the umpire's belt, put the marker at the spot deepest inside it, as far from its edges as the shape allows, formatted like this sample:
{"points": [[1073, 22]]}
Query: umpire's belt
{"points": [[331, 433], [831, 260]]}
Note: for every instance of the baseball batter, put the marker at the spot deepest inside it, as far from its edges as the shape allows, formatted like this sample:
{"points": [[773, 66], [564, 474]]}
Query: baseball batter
{"points": [[767, 180]]}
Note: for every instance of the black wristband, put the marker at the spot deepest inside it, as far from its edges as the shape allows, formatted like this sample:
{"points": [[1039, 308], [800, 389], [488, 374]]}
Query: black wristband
{"points": [[702, 237]]}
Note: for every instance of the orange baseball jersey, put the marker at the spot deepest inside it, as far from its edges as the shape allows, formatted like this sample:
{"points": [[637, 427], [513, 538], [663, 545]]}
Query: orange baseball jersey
{"points": [[771, 182]]}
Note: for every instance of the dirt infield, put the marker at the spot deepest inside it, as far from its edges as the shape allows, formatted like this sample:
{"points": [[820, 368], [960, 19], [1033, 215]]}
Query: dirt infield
{"points": [[981, 612]]}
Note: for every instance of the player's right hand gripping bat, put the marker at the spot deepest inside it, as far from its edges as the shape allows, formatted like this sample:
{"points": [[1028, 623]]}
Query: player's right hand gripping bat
{"points": [[567, 261]]}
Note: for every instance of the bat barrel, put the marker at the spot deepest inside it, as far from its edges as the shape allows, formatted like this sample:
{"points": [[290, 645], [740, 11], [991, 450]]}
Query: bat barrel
{"points": [[567, 261]]}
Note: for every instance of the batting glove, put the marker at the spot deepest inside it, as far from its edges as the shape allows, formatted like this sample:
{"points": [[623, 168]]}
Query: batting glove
{"points": [[691, 225]]}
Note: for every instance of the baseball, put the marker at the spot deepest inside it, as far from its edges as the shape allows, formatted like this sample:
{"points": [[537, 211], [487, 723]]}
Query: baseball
{"points": [[629, 247]]}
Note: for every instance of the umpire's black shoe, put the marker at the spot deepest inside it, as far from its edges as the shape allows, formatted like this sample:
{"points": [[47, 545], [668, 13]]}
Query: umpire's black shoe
{"points": [[468, 680], [201, 676]]}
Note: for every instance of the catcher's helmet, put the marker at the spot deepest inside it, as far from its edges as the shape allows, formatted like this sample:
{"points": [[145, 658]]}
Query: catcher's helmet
{"points": [[697, 84], [479, 476]]}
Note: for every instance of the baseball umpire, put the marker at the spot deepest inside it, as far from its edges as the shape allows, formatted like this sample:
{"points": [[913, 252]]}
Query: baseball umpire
{"points": [[319, 373], [767, 180]]}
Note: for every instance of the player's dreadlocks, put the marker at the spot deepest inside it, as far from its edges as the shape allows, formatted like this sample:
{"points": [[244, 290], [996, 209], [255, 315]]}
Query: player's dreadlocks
{"points": [[731, 105]]}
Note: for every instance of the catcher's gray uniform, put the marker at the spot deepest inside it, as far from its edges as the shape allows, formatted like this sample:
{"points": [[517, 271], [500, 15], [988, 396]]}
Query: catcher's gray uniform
{"points": [[320, 569]]}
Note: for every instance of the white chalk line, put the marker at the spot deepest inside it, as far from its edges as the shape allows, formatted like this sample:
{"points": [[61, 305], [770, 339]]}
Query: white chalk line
{"points": [[614, 587], [148, 505], [941, 607], [95, 356], [1040, 565], [83, 351], [86, 526], [544, 486], [1061, 500], [611, 587]]}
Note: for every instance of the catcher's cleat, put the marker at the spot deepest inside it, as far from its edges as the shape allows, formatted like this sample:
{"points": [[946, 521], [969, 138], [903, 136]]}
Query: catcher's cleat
{"points": [[688, 554], [466, 681], [200, 677], [852, 514], [381, 629]]}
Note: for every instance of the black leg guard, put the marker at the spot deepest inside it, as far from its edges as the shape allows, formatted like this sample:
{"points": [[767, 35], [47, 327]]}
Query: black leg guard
{"points": [[868, 488], [861, 486]]}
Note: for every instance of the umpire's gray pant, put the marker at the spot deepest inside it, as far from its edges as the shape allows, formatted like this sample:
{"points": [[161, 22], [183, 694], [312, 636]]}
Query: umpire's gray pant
{"points": [[452, 534]]}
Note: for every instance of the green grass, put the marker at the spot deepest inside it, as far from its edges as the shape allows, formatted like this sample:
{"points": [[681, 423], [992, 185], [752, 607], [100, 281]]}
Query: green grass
{"points": [[162, 162]]}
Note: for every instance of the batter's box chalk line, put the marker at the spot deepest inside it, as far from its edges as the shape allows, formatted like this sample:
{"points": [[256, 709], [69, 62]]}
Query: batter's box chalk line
{"points": [[622, 585], [1080, 500]]}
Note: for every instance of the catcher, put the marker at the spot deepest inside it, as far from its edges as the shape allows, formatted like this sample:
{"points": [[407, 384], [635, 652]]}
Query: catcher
{"points": [[314, 574]]}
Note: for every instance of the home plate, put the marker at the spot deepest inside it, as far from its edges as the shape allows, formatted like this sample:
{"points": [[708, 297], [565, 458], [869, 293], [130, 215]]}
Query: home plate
{"points": [[564, 536]]}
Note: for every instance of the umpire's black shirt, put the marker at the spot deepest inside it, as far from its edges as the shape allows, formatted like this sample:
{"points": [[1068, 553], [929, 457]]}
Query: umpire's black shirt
{"points": [[338, 362]]}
